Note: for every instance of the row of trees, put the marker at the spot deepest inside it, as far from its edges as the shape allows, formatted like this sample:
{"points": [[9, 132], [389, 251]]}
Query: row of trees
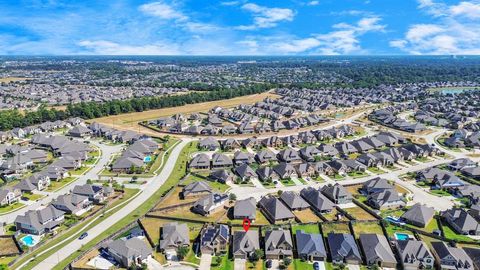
{"points": [[87, 110]]}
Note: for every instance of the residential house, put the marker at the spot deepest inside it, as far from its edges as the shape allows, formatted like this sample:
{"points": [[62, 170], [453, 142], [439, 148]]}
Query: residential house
{"points": [[200, 162], [293, 200], [246, 208], [9, 195], [385, 199], [414, 255], [210, 204], [41, 221], [318, 202], [245, 243], [451, 257], [72, 204], [377, 251], [337, 193], [310, 246], [174, 235], [278, 244], [94, 193], [343, 249], [419, 215], [214, 239], [196, 189], [461, 221], [128, 252], [274, 210]]}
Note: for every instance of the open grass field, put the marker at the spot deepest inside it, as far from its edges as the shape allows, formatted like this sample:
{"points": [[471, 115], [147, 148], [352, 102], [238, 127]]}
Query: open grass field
{"points": [[335, 227], [306, 215], [129, 121]]}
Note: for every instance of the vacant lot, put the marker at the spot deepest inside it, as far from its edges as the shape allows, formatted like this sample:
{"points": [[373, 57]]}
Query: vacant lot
{"points": [[130, 120], [7, 246]]}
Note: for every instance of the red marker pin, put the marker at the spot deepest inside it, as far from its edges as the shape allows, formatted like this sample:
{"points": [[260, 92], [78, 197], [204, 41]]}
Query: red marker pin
{"points": [[246, 224]]}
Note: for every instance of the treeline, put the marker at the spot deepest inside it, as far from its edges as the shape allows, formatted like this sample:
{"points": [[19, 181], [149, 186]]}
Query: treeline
{"points": [[87, 110]]}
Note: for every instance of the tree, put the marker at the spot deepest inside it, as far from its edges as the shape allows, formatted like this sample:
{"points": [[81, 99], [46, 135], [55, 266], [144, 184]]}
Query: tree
{"points": [[232, 197], [89, 181], [182, 252], [279, 193], [256, 256], [287, 261]]}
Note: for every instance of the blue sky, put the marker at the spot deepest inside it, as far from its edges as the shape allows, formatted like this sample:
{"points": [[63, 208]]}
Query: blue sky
{"points": [[238, 27]]}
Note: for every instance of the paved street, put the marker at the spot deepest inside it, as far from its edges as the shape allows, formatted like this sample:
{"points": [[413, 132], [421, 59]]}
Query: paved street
{"points": [[146, 193]]}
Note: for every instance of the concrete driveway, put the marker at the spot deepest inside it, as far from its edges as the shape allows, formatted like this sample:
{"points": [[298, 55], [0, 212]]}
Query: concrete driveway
{"points": [[353, 267], [239, 264], [205, 262]]}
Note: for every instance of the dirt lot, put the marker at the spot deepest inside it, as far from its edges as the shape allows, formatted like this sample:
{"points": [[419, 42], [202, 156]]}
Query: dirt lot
{"points": [[129, 121], [306, 215], [7, 246]]}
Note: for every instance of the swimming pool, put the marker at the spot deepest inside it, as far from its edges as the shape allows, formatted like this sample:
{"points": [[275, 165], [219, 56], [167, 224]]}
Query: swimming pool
{"points": [[147, 159], [402, 236], [29, 241]]}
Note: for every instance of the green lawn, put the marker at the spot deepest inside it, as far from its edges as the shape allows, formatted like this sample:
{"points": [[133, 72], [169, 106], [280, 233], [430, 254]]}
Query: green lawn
{"points": [[440, 193], [11, 207], [80, 170], [450, 234], [307, 228], [172, 180], [376, 170], [225, 263], [301, 265], [32, 196], [367, 227], [214, 184], [56, 185]]}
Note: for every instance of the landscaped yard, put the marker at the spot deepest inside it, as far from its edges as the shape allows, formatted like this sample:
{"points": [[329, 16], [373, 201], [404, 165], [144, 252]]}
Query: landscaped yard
{"points": [[376, 170], [440, 193], [55, 185], [452, 235], [80, 170], [307, 228], [11, 207], [32, 196], [392, 229], [357, 174]]}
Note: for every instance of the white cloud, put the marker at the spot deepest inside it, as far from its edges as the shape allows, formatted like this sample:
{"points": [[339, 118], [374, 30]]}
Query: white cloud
{"points": [[265, 17], [345, 39], [454, 31], [163, 10], [230, 3], [104, 47], [467, 9], [313, 3]]}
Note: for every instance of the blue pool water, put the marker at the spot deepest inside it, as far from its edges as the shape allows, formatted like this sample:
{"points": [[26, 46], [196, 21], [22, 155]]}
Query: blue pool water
{"points": [[402, 236], [147, 159], [29, 241]]}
